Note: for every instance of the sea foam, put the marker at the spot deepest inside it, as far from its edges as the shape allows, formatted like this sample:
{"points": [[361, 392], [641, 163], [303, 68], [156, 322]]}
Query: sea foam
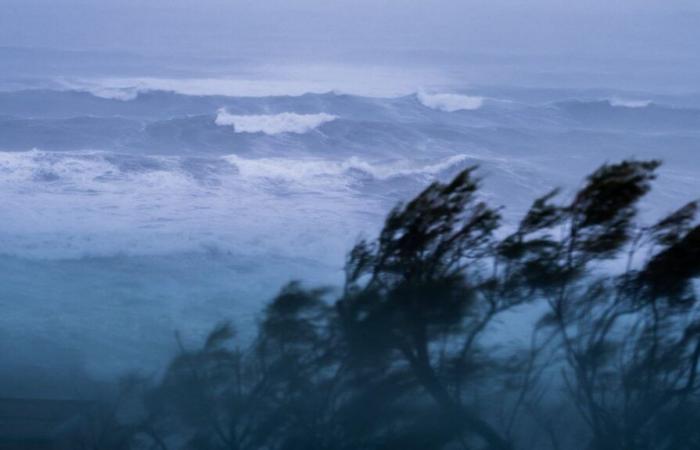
{"points": [[63, 205], [627, 103], [450, 102], [273, 123]]}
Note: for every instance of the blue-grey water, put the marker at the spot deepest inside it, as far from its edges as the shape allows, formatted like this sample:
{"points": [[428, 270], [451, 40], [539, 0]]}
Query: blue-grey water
{"points": [[136, 207]]}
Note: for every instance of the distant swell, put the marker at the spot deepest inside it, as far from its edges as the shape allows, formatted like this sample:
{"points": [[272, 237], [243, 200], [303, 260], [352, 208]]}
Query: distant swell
{"points": [[273, 124]]}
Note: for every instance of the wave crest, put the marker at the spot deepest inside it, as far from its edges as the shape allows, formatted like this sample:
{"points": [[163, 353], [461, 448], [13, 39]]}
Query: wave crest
{"points": [[92, 203], [627, 103], [310, 170], [450, 102], [274, 123]]}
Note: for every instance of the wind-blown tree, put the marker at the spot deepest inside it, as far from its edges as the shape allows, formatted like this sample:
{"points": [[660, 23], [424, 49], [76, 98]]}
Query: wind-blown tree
{"points": [[291, 389], [409, 356], [422, 295], [630, 338], [264, 395]]}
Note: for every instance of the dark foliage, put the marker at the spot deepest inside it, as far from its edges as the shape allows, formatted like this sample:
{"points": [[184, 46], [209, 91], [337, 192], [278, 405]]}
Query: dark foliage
{"points": [[578, 330]]}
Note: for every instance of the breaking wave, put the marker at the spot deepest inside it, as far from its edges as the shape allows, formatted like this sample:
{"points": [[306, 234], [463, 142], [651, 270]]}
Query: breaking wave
{"points": [[280, 80], [77, 204], [450, 102], [627, 103], [273, 123], [307, 170]]}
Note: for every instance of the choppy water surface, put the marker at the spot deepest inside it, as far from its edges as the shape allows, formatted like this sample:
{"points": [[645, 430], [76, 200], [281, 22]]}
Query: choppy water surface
{"points": [[133, 208]]}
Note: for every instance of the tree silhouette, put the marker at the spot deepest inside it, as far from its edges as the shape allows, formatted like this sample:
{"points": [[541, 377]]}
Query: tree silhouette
{"points": [[410, 354]]}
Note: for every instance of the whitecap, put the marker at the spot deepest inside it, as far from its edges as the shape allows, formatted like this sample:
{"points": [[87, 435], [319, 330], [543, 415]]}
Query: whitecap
{"points": [[628, 103], [450, 102], [124, 94], [273, 123], [385, 172]]}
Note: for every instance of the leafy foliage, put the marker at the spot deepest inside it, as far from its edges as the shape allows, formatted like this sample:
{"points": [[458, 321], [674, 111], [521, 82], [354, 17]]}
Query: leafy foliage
{"points": [[412, 353]]}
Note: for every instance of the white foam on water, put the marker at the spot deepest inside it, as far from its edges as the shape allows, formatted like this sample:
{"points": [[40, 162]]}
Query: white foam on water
{"points": [[275, 80], [628, 103], [272, 124], [450, 102], [76, 204]]}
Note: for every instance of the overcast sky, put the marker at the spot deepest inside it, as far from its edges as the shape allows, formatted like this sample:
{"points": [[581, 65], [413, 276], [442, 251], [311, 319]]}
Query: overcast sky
{"points": [[641, 44], [599, 27]]}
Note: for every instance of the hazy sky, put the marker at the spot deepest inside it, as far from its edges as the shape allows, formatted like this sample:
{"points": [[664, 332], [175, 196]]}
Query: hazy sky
{"points": [[586, 27], [613, 43]]}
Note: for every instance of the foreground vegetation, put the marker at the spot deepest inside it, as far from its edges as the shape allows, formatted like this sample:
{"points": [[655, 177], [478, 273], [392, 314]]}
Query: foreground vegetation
{"points": [[579, 329]]}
